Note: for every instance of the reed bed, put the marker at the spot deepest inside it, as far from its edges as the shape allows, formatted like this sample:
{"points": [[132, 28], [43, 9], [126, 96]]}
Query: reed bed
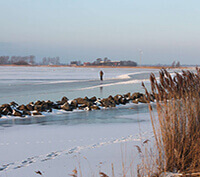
{"points": [[177, 126]]}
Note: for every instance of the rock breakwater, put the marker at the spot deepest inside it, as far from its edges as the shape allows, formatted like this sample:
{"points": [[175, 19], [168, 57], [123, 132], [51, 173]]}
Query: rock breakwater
{"points": [[93, 103]]}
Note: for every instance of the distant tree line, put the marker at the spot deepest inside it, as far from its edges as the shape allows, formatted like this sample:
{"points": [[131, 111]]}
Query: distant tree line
{"points": [[25, 60], [51, 61], [176, 64], [108, 62]]}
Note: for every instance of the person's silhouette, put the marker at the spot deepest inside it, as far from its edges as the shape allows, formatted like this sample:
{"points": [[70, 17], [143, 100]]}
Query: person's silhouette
{"points": [[101, 75]]}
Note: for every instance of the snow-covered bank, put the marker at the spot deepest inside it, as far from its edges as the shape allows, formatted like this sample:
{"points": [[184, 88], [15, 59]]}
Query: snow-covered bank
{"points": [[54, 149]]}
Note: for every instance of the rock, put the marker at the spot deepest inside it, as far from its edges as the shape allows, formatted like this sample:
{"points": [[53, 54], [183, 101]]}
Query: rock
{"points": [[93, 99], [107, 103], [82, 106], [122, 101], [29, 107], [135, 101], [17, 113], [50, 110], [64, 99], [5, 109], [38, 102], [27, 113], [110, 97], [95, 107], [80, 101], [67, 107], [86, 98], [50, 103], [13, 104], [56, 106], [22, 108], [45, 106], [85, 101], [74, 104], [116, 99], [136, 95], [36, 113], [38, 108], [87, 108], [142, 100], [127, 96]]}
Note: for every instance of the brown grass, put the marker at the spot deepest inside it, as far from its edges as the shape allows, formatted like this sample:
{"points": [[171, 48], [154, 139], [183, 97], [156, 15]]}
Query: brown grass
{"points": [[177, 128]]}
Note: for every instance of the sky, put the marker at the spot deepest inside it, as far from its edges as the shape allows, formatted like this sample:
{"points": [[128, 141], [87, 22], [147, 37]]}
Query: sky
{"points": [[164, 30]]}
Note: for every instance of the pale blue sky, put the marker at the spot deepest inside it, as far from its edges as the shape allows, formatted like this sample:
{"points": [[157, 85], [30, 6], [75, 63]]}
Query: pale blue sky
{"points": [[165, 30]]}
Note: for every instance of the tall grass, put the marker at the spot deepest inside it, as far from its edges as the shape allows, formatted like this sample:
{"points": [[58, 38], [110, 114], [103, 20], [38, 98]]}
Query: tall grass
{"points": [[177, 128]]}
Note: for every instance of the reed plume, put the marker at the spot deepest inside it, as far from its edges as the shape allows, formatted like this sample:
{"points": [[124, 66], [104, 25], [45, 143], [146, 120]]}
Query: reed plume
{"points": [[177, 128]]}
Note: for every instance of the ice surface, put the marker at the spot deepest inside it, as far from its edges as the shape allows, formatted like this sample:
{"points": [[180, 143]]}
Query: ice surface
{"points": [[56, 142]]}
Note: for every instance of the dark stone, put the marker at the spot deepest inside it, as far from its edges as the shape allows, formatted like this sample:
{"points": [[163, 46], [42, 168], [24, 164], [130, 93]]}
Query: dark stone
{"points": [[17, 113], [82, 106], [122, 101], [67, 107], [86, 98], [135, 101], [50, 110], [110, 97], [36, 113], [27, 113], [108, 103], [142, 100], [5, 109], [56, 106], [116, 99], [22, 108], [38, 108], [45, 106], [74, 104], [13, 104], [64, 99], [29, 107], [95, 107], [38, 102], [49, 104], [84, 101], [136, 95], [127, 96], [93, 99], [80, 101]]}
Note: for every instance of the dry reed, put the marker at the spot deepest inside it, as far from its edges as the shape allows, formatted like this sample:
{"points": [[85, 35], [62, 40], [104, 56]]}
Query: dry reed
{"points": [[177, 128]]}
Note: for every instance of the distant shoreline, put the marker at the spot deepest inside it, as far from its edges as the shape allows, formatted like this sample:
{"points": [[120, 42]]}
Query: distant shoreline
{"points": [[135, 67]]}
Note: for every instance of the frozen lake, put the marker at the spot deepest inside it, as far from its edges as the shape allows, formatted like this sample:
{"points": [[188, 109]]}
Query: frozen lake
{"points": [[53, 143]]}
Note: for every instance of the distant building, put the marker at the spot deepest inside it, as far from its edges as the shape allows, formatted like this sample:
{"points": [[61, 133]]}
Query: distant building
{"points": [[75, 63], [128, 63], [86, 64]]}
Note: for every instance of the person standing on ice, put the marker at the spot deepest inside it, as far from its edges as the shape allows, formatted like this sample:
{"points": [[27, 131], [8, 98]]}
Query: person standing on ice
{"points": [[101, 75]]}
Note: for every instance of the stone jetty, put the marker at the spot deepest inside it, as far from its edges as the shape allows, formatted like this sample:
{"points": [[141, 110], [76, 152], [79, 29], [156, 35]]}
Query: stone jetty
{"points": [[93, 103]]}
